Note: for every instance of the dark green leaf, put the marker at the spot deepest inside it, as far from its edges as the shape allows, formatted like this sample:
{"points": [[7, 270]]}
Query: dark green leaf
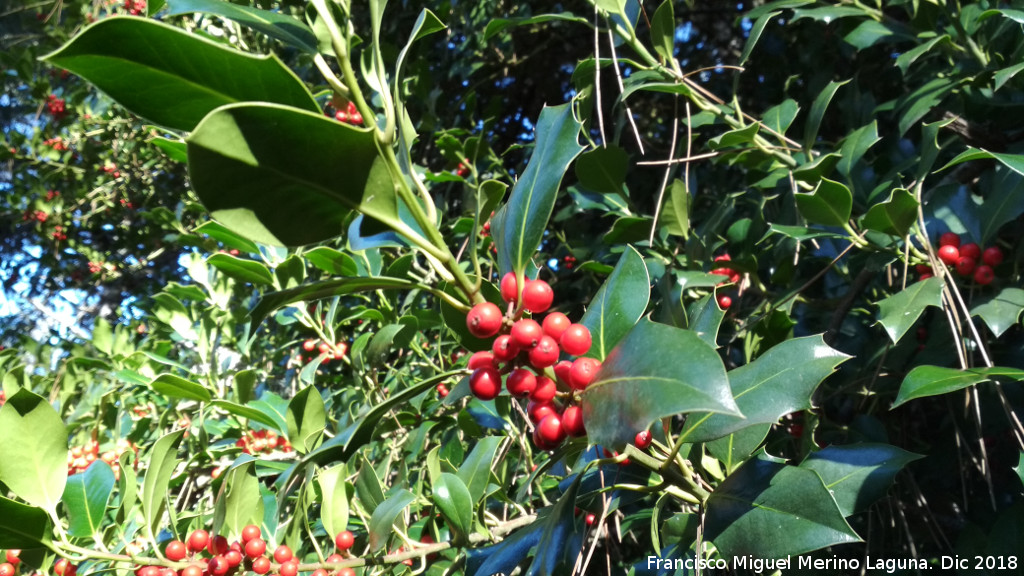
{"points": [[904, 60], [779, 382], [255, 273], [1003, 76], [163, 459], [818, 112], [1004, 205], [935, 380], [553, 548], [739, 137], [249, 413], [636, 386], [384, 517], [736, 448], [898, 312], [23, 526], [498, 25], [855, 146], [331, 261], [325, 289], [35, 447], [812, 172], [675, 216], [868, 33], [754, 36], [368, 487], [618, 304], [518, 226], [779, 118], [85, 499], [916, 104], [1002, 311], [227, 237], [603, 170], [475, 471], [176, 387], [893, 216], [830, 204], [858, 474], [290, 186], [174, 78], [800, 233], [769, 510], [453, 499], [663, 31], [273, 24], [306, 419], [705, 318]]}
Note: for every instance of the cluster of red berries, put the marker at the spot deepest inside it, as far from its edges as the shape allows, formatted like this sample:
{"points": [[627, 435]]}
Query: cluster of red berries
{"points": [[127, 204], [58, 144], [262, 441], [51, 194], [112, 170], [37, 215], [325, 349], [10, 567], [135, 7], [95, 267], [523, 351], [724, 300], [56, 106], [569, 261], [350, 115], [58, 233], [248, 554], [968, 260], [462, 170], [81, 457], [232, 252]]}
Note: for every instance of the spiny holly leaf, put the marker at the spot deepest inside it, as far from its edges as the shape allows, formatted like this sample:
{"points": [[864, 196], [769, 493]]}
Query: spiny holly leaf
{"points": [[779, 382], [518, 226], [85, 499], [174, 78], [770, 510], [285, 176], [35, 444], [618, 304], [1002, 311], [830, 204], [898, 312], [859, 474], [636, 386], [23, 526], [934, 380], [894, 216]]}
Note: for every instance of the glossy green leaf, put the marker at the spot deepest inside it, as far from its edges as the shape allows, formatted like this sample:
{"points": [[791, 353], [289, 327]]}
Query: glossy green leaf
{"points": [[23, 526], [247, 412], [174, 78], [173, 386], [602, 170], [225, 236], [736, 448], [904, 60], [1003, 205], [455, 503], [306, 419], [334, 503], [925, 381], [663, 31], [830, 204], [618, 304], [518, 226], [85, 499], [1006, 74], [893, 216], [828, 13], [868, 33], [739, 137], [385, 515], [855, 146], [858, 474], [899, 312], [368, 487], [35, 446], [554, 548], [241, 269], [769, 510], [273, 24], [497, 25], [780, 117], [1014, 162], [781, 381], [812, 172], [1002, 310], [675, 216], [777, 5], [163, 459], [325, 289], [915, 105], [755, 34], [475, 471], [239, 502], [636, 386], [705, 318], [332, 261], [800, 232], [127, 485], [294, 185], [817, 112]]}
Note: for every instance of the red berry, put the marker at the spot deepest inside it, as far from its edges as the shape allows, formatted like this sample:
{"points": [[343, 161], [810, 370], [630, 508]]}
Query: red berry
{"points": [[583, 372], [234, 558], [949, 239], [526, 333], [545, 390], [442, 390], [545, 353], [289, 568], [925, 276], [319, 572], [218, 546], [509, 287], [12, 554], [484, 320], [520, 382], [325, 348], [505, 348], [218, 566], [539, 410], [7, 569], [255, 548], [555, 324], [590, 519], [283, 554], [250, 532], [309, 345], [562, 370], [949, 255], [572, 421], [550, 429], [346, 572], [194, 570], [485, 383], [724, 302], [575, 340], [643, 440], [965, 266], [198, 540], [923, 269], [537, 296], [992, 256], [984, 275], [175, 550], [344, 540], [971, 251], [260, 565], [63, 567], [334, 558], [481, 359]]}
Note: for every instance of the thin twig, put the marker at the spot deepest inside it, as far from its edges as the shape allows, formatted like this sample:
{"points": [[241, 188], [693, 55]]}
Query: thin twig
{"points": [[668, 170]]}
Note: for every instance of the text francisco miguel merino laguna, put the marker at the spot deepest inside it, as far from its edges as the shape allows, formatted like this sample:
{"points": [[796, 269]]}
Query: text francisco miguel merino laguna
{"points": [[758, 565]]}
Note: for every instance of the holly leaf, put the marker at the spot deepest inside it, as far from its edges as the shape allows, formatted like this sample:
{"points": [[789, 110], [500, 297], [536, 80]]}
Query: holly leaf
{"points": [[899, 312], [1001, 311], [858, 474], [830, 204], [618, 304], [935, 380]]}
